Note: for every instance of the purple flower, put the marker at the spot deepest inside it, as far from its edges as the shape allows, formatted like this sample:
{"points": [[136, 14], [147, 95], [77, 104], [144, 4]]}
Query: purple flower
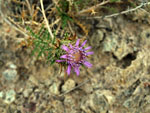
{"points": [[75, 56]]}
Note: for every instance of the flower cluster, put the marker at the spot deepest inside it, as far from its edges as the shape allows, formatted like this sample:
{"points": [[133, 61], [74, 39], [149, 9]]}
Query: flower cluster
{"points": [[75, 56]]}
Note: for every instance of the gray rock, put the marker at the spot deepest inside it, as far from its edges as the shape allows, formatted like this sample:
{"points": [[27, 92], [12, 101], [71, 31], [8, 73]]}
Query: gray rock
{"points": [[110, 43], [119, 45], [127, 103], [10, 96], [10, 75]]}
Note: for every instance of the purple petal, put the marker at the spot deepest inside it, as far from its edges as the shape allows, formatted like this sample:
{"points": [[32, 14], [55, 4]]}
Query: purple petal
{"points": [[87, 64], [70, 46], [65, 48], [77, 43], [76, 69], [87, 48], [69, 69], [64, 56], [83, 43], [89, 53], [60, 60]]}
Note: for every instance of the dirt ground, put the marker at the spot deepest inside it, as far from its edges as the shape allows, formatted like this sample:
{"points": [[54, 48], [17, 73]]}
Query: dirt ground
{"points": [[118, 82]]}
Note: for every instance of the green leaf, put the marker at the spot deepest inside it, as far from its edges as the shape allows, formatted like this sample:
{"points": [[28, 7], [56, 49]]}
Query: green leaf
{"points": [[52, 62], [42, 28], [32, 33], [41, 51]]}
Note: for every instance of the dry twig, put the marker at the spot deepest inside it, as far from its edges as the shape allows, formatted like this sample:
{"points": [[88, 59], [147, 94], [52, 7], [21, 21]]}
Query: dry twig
{"points": [[58, 28], [47, 23], [55, 22], [92, 8], [29, 7], [123, 12], [70, 28], [9, 23]]}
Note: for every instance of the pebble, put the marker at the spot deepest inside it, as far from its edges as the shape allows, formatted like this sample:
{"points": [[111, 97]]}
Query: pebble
{"points": [[10, 96], [54, 88], [1, 94], [10, 74], [69, 84], [12, 66], [27, 92]]}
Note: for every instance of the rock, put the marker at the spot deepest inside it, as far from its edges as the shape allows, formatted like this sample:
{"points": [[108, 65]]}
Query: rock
{"points": [[138, 101], [69, 100], [138, 90], [57, 107], [96, 101], [119, 46], [127, 103], [109, 96], [146, 108], [10, 96], [54, 88], [145, 34], [69, 84], [96, 38], [11, 65], [19, 90], [145, 37], [141, 15], [33, 80], [1, 94], [10, 75], [110, 43], [27, 92], [48, 82]]}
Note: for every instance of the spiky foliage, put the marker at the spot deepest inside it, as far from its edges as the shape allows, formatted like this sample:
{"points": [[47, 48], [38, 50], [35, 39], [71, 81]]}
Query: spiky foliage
{"points": [[44, 45]]}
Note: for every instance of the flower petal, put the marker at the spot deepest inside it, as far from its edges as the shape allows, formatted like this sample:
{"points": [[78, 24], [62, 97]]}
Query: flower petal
{"points": [[69, 69], [64, 56], [65, 48], [87, 64], [89, 53], [87, 48], [60, 60], [70, 46], [76, 69], [83, 43], [77, 42]]}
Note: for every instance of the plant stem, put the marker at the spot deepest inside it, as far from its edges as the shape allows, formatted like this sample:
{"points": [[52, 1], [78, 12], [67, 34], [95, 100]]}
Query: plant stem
{"points": [[47, 23]]}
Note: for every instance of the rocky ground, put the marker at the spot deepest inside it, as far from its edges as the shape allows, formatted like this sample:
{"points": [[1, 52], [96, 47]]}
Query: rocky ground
{"points": [[118, 82]]}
